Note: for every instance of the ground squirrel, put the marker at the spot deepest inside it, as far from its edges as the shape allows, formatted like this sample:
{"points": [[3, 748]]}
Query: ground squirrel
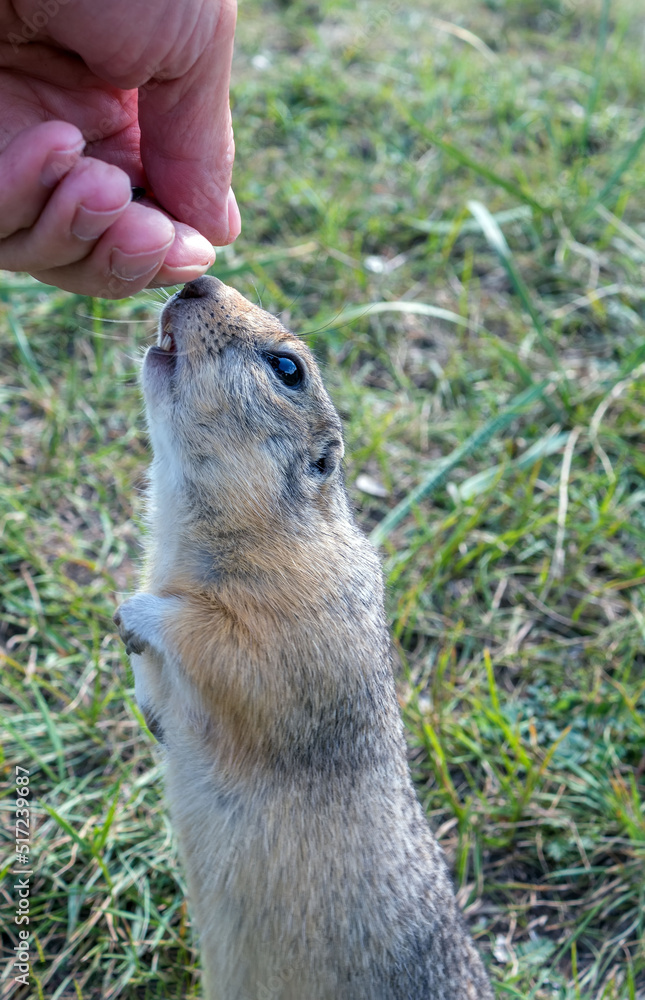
{"points": [[262, 662]]}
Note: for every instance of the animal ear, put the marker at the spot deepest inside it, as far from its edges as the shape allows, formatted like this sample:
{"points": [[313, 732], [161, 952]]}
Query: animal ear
{"points": [[326, 459]]}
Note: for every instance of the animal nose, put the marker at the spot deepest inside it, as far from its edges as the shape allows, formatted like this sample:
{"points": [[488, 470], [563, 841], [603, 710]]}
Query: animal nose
{"points": [[200, 288]]}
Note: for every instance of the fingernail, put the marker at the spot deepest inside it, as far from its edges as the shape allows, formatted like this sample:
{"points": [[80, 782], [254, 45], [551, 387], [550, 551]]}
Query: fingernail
{"points": [[58, 163], [179, 275], [190, 249], [130, 266], [89, 225], [234, 217]]}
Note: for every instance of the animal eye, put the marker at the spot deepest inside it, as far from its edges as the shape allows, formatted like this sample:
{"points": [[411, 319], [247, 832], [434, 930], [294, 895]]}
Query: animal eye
{"points": [[285, 369]]}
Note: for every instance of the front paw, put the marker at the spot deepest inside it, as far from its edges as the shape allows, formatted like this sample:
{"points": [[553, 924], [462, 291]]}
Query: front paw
{"points": [[132, 639], [143, 621]]}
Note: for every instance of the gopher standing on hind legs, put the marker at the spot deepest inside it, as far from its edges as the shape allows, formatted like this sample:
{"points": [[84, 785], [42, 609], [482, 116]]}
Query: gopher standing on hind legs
{"points": [[262, 662]]}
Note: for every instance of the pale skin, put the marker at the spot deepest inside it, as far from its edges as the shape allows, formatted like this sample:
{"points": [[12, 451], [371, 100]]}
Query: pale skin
{"points": [[96, 98]]}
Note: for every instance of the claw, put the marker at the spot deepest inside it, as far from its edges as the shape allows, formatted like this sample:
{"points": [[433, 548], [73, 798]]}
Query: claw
{"points": [[133, 644]]}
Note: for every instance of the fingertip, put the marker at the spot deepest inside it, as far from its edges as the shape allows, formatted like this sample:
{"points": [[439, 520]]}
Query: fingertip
{"points": [[190, 249], [31, 166], [59, 132], [66, 144], [56, 134], [143, 228], [190, 256], [177, 275], [49, 149]]}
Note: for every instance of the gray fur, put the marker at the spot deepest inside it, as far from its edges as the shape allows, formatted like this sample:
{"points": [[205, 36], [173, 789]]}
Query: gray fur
{"points": [[261, 653]]}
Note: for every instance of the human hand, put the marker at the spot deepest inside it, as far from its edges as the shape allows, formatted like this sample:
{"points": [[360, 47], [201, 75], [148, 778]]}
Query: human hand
{"points": [[142, 89]]}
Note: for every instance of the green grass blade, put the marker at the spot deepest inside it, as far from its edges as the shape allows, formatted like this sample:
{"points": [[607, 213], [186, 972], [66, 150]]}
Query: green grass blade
{"points": [[630, 157], [440, 227], [440, 473], [24, 350], [352, 313], [52, 729], [497, 241], [467, 161], [592, 102]]}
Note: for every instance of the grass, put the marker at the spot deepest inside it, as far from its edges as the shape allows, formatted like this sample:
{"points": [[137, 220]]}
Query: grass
{"points": [[484, 194]]}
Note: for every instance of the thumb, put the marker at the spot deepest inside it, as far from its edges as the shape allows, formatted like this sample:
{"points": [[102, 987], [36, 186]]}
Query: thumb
{"points": [[187, 146]]}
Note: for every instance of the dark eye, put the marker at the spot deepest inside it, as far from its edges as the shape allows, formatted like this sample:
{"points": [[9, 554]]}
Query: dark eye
{"points": [[286, 369]]}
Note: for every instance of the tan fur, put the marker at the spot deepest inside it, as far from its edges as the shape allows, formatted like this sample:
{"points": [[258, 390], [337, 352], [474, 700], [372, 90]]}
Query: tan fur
{"points": [[261, 658]]}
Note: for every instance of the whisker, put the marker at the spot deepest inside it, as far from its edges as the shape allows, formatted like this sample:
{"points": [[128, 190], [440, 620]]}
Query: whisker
{"points": [[106, 319], [257, 294], [331, 325], [159, 296]]}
